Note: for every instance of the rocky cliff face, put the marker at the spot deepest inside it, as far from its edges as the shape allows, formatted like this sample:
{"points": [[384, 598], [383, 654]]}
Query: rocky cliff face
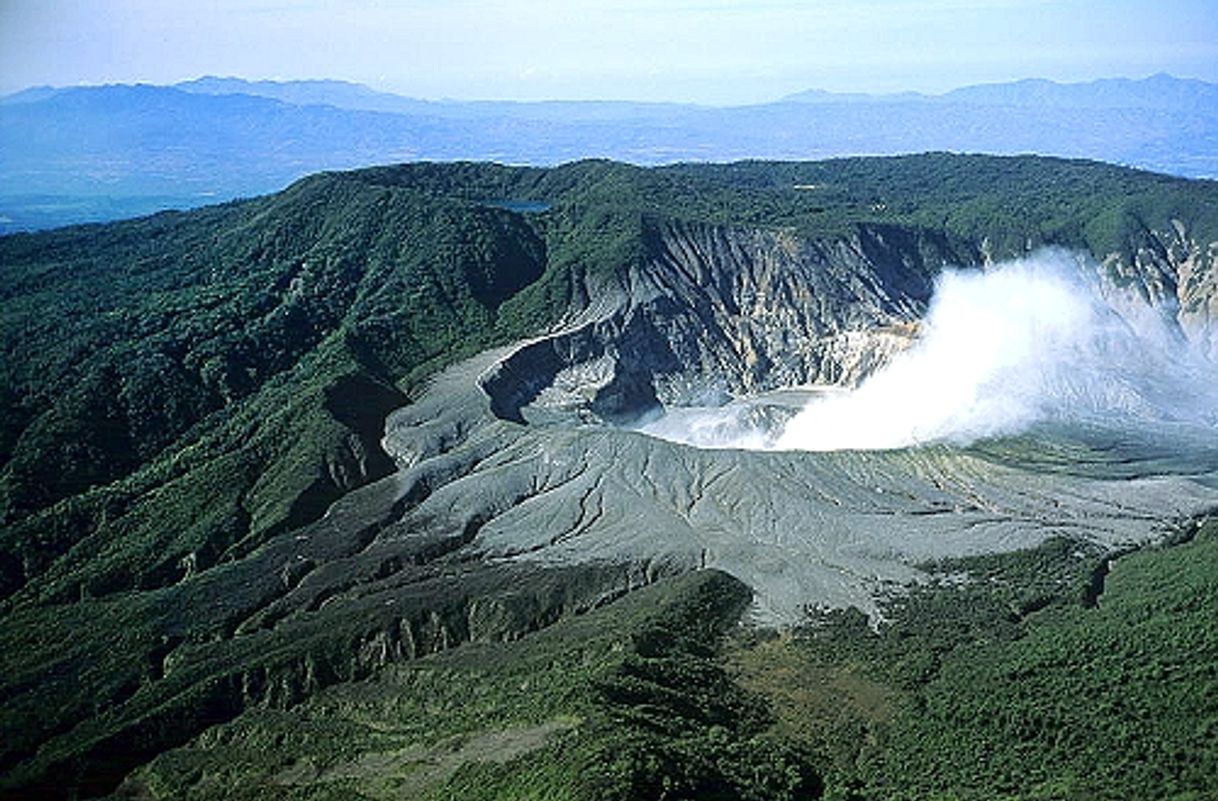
{"points": [[715, 312], [1173, 273]]}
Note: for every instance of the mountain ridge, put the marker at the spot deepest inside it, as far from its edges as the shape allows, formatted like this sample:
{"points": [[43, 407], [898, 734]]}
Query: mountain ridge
{"points": [[85, 154], [1156, 91]]}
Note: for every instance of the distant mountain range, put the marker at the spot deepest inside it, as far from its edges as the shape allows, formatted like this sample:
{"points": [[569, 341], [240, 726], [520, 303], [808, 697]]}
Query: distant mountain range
{"points": [[103, 152], [1161, 92]]}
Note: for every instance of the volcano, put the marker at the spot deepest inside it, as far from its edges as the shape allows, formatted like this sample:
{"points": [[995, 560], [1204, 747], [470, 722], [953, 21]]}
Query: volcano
{"points": [[271, 463]]}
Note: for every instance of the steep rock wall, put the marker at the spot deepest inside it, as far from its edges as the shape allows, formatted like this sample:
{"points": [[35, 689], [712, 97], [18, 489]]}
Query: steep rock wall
{"points": [[717, 311], [1174, 274], [713, 312]]}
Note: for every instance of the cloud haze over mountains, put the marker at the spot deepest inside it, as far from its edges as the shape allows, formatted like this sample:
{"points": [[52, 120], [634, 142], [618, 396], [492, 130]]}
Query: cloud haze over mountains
{"points": [[95, 153]]}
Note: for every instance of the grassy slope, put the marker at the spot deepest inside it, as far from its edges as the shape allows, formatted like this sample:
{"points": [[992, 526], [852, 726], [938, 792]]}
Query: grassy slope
{"points": [[1022, 686], [231, 378], [628, 701]]}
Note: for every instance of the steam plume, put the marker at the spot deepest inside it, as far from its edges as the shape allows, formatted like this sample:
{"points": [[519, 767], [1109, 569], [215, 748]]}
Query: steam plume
{"points": [[1002, 350]]}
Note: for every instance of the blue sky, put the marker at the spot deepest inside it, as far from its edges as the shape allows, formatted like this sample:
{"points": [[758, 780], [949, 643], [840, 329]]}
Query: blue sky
{"points": [[707, 51]]}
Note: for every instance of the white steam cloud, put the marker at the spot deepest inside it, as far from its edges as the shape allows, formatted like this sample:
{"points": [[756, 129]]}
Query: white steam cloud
{"points": [[999, 352]]}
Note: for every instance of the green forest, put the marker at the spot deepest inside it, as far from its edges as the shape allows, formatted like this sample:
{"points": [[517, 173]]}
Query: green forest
{"points": [[1035, 680]]}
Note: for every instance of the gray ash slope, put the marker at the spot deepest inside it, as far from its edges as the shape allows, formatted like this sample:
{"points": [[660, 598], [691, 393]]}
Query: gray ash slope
{"points": [[506, 495], [717, 313]]}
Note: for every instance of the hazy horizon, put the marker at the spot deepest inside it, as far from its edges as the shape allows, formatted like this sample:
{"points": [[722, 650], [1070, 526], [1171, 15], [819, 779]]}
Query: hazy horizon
{"points": [[760, 101], [709, 52]]}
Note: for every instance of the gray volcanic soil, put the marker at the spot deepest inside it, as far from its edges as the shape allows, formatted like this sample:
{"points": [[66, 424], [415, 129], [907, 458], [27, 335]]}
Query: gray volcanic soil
{"points": [[525, 455], [803, 529]]}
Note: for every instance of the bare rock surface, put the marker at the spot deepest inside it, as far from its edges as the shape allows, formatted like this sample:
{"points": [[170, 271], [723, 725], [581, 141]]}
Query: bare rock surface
{"points": [[516, 454], [803, 529]]}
